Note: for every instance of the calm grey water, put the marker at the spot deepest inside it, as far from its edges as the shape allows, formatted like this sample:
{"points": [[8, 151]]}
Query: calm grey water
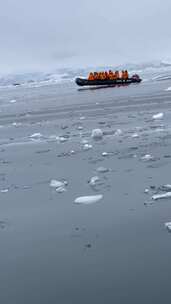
{"points": [[114, 251]]}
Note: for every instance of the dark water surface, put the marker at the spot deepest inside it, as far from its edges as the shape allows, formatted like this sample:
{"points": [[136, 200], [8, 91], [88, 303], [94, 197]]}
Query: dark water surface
{"points": [[114, 251]]}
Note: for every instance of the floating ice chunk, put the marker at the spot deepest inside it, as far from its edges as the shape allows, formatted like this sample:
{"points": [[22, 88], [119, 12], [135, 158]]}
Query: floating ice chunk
{"points": [[102, 170], [82, 117], [80, 128], [147, 157], [87, 147], [72, 152], [59, 185], [36, 135], [62, 139], [166, 187], [4, 190], [88, 199], [105, 154], [61, 189], [135, 135], [158, 116], [94, 180], [84, 141], [56, 184], [97, 134], [118, 132], [168, 226], [146, 190], [168, 89], [13, 101], [161, 196], [16, 124]]}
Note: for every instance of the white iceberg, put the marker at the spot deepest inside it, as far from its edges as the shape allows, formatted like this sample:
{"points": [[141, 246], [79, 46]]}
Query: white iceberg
{"points": [[158, 116], [13, 101], [168, 89], [97, 134], [161, 196], [88, 199]]}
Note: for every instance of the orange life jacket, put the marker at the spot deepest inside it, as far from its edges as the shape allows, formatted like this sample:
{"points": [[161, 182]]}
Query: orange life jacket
{"points": [[91, 76]]}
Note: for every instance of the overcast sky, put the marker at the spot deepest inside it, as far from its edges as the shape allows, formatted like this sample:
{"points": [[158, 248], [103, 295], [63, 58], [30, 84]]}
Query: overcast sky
{"points": [[40, 34]]}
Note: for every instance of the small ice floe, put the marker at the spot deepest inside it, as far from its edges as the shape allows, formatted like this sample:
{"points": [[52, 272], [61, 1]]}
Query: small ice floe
{"points": [[94, 180], [80, 128], [72, 152], [16, 124], [105, 154], [166, 187], [158, 116], [168, 89], [82, 117], [87, 147], [13, 100], [59, 185], [161, 196], [62, 139], [135, 135], [91, 199], [4, 190], [147, 157], [102, 170], [36, 135], [146, 190], [97, 134], [118, 132], [168, 226]]}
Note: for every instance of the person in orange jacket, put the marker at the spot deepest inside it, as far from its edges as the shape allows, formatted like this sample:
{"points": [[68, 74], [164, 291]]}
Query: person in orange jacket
{"points": [[123, 75], [106, 75], [91, 76], [126, 75], [117, 75], [110, 75]]}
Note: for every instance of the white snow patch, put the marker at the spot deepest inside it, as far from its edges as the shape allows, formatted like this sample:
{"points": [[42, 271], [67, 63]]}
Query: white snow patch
{"points": [[88, 199], [97, 134], [158, 116], [161, 196]]}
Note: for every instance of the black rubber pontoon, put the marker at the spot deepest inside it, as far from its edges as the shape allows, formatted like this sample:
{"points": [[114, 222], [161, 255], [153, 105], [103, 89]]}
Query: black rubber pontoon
{"points": [[85, 82]]}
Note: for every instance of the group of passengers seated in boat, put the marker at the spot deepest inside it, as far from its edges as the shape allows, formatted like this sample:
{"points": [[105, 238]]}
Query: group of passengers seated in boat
{"points": [[109, 75]]}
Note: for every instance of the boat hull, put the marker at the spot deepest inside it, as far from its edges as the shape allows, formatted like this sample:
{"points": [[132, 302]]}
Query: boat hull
{"points": [[106, 82]]}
